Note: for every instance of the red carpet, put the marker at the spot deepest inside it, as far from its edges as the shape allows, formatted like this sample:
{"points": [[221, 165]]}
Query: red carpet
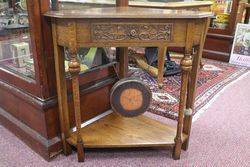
{"points": [[213, 78]]}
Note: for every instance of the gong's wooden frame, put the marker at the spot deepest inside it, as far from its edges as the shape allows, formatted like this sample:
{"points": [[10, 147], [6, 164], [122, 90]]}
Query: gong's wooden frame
{"points": [[74, 31], [117, 98]]}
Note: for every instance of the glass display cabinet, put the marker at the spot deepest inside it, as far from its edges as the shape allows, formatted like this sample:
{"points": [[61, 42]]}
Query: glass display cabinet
{"points": [[27, 82], [17, 47], [28, 99]]}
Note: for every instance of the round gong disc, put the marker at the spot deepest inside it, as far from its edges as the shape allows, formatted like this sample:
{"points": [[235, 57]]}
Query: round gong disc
{"points": [[130, 97]]}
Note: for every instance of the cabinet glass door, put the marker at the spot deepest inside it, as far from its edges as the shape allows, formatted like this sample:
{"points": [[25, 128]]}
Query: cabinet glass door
{"points": [[15, 42], [89, 58]]}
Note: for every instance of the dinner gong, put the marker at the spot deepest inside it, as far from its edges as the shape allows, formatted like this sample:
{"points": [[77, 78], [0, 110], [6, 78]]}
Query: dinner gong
{"points": [[130, 97]]}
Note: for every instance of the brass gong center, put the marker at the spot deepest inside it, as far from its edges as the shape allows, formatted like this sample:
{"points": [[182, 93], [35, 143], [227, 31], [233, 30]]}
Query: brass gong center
{"points": [[131, 99]]}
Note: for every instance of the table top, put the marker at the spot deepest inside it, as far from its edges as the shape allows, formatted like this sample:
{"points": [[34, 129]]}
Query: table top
{"points": [[127, 12]]}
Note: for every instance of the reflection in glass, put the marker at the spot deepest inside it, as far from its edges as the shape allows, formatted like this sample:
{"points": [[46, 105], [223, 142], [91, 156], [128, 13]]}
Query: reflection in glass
{"points": [[91, 58], [15, 46]]}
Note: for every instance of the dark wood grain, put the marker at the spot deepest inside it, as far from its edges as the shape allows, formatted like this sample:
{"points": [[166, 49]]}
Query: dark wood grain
{"points": [[218, 47], [122, 3], [45, 147]]}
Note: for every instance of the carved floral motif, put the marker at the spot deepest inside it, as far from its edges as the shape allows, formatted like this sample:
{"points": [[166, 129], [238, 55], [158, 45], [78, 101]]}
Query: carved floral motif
{"points": [[131, 31]]}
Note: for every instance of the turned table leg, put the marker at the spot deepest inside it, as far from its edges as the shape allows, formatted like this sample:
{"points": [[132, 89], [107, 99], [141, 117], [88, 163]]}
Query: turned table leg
{"points": [[74, 69], [186, 65], [191, 96], [193, 84], [161, 61]]}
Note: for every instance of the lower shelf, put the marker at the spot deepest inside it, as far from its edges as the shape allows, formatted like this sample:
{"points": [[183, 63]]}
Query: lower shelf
{"points": [[114, 131]]}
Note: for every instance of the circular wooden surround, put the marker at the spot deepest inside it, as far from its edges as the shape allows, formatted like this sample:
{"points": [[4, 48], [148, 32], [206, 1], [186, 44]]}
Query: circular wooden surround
{"points": [[130, 97]]}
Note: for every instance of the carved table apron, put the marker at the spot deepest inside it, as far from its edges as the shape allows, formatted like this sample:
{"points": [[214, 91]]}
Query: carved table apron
{"points": [[125, 32], [163, 30]]}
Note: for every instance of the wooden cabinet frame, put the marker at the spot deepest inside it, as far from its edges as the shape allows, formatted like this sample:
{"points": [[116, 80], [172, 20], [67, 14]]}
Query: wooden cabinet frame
{"points": [[36, 87], [29, 107], [219, 41]]}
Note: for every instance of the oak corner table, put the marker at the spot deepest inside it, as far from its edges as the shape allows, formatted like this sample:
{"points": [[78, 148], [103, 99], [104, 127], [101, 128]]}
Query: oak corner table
{"points": [[124, 27]]}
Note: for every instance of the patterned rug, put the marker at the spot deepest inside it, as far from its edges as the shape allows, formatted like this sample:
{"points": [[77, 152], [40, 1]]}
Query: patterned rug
{"points": [[212, 79]]}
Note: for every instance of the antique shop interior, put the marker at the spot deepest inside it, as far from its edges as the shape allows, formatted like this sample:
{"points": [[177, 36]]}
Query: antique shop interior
{"points": [[124, 83]]}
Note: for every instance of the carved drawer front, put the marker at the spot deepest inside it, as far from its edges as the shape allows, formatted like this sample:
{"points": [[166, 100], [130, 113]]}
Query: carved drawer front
{"points": [[131, 32]]}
